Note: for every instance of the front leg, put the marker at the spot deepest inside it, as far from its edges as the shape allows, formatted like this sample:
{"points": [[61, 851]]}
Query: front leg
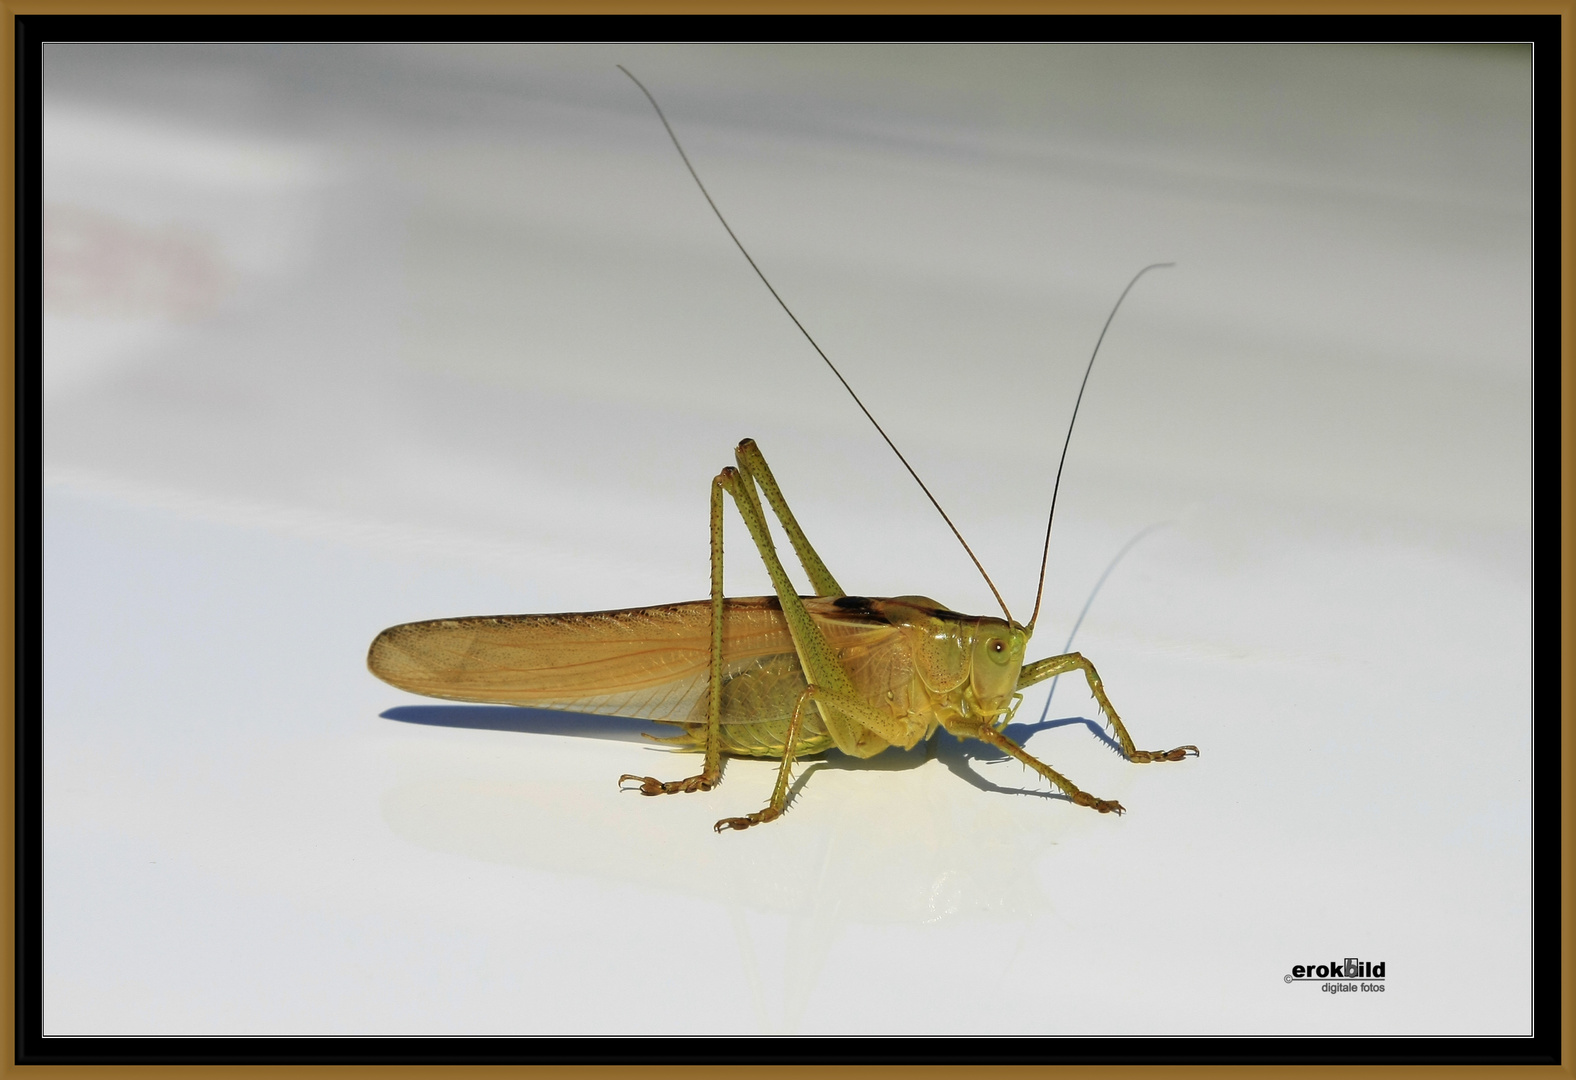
{"points": [[1052, 666]]}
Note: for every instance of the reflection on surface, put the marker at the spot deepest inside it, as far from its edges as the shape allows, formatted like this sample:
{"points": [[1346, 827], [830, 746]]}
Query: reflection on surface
{"points": [[885, 841], [889, 839]]}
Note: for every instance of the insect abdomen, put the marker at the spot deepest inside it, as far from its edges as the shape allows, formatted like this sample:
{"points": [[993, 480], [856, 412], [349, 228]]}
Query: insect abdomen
{"points": [[758, 699]]}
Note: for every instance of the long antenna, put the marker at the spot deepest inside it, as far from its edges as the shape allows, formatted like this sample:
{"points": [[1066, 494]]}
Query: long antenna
{"points": [[1046, 553], [816, 347]]}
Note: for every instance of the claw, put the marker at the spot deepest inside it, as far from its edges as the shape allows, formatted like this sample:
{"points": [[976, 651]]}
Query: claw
{"points": [[649, 785]]}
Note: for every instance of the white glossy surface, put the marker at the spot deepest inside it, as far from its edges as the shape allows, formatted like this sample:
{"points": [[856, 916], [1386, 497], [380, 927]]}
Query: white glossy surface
{"points": [[340, 337]]}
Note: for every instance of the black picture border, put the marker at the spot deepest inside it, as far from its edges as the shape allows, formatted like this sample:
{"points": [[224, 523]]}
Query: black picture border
{"points": [[31, 1047]]}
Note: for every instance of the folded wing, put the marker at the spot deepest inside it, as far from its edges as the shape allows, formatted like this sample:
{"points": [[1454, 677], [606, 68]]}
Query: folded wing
{"points": [[646, 663]]}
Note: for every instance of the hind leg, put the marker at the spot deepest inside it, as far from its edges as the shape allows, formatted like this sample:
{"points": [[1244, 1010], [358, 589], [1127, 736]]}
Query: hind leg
{"points": [[711, 771]]}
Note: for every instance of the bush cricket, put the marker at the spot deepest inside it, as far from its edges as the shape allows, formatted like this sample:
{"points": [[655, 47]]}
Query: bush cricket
{"points": [[771, 676]]}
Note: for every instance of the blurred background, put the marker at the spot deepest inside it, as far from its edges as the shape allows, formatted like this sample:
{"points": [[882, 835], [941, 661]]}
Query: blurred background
{"points": [[341, 336]]}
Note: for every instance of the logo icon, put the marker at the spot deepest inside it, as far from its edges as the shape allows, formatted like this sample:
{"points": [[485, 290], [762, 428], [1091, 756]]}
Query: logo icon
{"points": [[1341, 976]]}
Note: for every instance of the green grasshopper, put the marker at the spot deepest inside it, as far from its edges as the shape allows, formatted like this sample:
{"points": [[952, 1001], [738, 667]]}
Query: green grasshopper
{"points": [[773, 676]]}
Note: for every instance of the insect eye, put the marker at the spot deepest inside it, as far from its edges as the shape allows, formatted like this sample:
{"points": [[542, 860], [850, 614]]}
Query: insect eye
{"points": [[997, 646]]}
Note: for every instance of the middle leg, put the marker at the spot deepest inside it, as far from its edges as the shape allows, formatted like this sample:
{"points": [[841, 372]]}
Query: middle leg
{"points": [[988, 734]]}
